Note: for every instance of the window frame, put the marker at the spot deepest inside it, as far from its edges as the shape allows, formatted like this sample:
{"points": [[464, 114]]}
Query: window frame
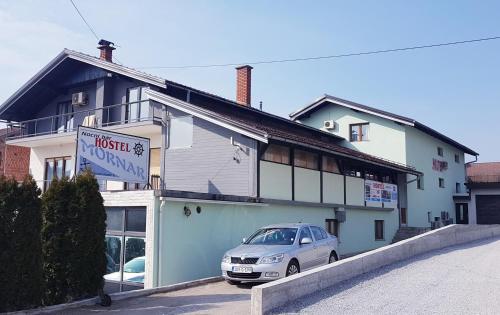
{"points": [[457, 158], [360, 134], [64, 160], [441, 182], [333, 223], [458, 188], [123, 234], [378, 237], [420, 182], [440, 151]]}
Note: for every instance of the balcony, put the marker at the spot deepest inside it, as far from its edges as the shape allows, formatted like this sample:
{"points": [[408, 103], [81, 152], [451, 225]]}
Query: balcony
{"points": [[140, 118]]}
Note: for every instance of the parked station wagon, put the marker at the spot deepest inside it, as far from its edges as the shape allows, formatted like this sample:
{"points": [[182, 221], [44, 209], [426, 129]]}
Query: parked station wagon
{"points": [[278, 251]]}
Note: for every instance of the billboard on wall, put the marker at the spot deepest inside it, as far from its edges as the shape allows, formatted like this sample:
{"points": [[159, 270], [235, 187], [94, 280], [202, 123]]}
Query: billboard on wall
{"points": [[112, 156], [380, 192]]}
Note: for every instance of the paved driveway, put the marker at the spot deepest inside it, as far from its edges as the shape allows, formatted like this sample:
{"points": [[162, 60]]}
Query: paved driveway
{"points": [[458, 280], [214, 298]]}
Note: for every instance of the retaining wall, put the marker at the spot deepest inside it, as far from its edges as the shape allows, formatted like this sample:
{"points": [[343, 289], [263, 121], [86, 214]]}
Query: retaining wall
{"points": [[269, 296]]}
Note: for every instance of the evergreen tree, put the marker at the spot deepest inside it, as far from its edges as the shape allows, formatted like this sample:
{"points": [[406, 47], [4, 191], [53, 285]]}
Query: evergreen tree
{"points": [[59, 207], [8, 190], [89, 236], [27, 258]]}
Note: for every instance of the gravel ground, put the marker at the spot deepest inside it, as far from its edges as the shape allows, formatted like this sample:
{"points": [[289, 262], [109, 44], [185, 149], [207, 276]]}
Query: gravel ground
{"points": [[463, 279]]}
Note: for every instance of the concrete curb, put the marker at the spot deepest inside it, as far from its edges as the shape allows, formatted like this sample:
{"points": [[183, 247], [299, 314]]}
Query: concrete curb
{"points": [[269, 296], [118, 296]]}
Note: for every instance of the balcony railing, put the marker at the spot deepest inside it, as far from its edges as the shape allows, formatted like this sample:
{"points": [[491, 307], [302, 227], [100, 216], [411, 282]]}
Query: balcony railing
{"points": [[112, 115]]}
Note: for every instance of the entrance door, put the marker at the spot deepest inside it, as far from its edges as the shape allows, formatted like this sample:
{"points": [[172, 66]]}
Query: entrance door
{"points": [[462, 213], [404, 216]]}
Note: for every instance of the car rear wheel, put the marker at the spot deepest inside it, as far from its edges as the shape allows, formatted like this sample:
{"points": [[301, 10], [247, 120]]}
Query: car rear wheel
{"points": [[233, 282], [333, 258], [293, 268]]}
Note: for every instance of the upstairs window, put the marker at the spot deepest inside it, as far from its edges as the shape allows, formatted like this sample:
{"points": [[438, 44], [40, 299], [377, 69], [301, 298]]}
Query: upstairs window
{"points": [[305, 159], [277, 154], [138, 106], [457, 158], [58, 167], [458, 188], [420, 182], [441, 182], [440, 151], [329, 164], [358, 132]]}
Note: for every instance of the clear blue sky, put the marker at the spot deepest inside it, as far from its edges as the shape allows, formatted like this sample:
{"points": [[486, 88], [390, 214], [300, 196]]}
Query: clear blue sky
{"points": [[455, 90]]}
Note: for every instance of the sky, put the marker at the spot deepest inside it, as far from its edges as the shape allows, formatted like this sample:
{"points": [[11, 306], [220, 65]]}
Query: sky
{"points": [[455, 90]]}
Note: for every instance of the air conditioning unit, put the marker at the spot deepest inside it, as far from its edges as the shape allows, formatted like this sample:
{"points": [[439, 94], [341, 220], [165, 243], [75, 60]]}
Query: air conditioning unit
{"points": [[79, 99], [329, 124]]}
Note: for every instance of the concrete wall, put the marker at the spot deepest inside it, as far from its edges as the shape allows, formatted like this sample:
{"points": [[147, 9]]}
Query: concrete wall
{"points": [[422, 149], [191, 247], [271, 295], [275, 180]]}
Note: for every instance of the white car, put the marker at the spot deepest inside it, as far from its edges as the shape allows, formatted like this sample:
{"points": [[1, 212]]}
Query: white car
{"points": [[133, 271], [278, 251]]}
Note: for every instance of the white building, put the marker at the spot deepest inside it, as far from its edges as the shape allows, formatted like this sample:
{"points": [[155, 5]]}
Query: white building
{"points": [[404, 140]]}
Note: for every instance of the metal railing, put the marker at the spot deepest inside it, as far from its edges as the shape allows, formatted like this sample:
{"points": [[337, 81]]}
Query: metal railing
{"points": [[112, 115]]}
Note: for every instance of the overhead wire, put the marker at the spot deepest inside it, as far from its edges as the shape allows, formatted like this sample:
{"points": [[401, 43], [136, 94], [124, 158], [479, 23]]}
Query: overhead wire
{"points": [[373, 52]]}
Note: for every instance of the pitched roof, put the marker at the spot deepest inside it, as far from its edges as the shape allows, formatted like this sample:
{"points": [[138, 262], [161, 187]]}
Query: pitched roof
{"points": [[244, 117], [480, 173], [381, 113]]}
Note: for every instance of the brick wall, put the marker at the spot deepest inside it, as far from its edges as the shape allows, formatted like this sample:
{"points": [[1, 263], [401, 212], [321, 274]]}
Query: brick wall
{"points": [[14, 160]]}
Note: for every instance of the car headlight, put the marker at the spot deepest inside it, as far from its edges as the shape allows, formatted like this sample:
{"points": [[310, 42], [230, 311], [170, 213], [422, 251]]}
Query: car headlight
{"points": [[272, 259], [226, 259]]}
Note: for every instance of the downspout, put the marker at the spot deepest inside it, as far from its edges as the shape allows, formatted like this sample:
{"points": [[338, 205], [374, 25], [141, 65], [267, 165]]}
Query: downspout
{"points": [[163, 204]]}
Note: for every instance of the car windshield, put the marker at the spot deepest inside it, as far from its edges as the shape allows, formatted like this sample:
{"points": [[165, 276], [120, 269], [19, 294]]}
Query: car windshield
{"points": [[273, 236], [136, 265]]}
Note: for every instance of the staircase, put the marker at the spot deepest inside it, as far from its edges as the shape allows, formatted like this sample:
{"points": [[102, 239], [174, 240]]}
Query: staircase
{"points": [[408, 232]]}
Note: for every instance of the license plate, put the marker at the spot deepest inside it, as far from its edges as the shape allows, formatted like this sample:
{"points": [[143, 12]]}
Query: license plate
{"points": [[241, 269]]}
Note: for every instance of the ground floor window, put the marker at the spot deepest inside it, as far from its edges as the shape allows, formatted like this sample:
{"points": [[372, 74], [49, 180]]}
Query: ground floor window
{"points": [[379, 230], [332, 227], [57, 167], [125, 248]]}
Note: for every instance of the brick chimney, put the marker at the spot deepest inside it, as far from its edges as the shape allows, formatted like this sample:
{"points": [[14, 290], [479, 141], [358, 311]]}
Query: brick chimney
{"points": [[106, 48], [243, 85]]}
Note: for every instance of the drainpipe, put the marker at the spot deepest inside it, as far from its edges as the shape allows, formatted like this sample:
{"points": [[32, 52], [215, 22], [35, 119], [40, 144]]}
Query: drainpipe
{"points": [[163, 204]]}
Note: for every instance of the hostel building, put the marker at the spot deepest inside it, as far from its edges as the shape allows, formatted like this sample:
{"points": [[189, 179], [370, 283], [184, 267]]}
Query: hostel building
{"points": [[434, 195], [218, 169]]}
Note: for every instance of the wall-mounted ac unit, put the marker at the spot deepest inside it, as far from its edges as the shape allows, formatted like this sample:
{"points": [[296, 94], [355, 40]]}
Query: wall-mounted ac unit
{"points": [[329, 124], [79, 99]]}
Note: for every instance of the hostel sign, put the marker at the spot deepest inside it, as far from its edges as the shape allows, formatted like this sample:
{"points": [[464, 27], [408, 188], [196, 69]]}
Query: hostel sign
{"points": [[380, 192], [112, 156]]}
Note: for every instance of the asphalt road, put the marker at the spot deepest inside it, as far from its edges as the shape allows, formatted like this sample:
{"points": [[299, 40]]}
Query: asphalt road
{"points": [[214, 298], [458, 280]]}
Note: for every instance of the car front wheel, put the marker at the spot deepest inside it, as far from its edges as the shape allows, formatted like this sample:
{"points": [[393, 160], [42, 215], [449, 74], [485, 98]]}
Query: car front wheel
{"points": [[333, 258], [293, 268]]}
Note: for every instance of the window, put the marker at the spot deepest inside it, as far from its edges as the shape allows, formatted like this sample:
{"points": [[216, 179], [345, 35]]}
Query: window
{"points": [[440, 151], [458, 188], [58, 167], [305, 159], [316, 231], [64, 119], [329, 164], [457, 158], [441, 182], [349, 171], [379, 230], [125, 247], [138, 107], [420, 182], [181, 132], [371, 176], [332, 226], [277, 153], [358, 132]]}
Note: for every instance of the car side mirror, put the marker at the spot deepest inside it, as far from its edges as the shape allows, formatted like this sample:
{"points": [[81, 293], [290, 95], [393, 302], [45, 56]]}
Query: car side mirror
{"points": [[306, 240], [243, 240]]}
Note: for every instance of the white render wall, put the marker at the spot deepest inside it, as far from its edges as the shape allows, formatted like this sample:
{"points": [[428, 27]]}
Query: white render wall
{"points": [[39, 154]]}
